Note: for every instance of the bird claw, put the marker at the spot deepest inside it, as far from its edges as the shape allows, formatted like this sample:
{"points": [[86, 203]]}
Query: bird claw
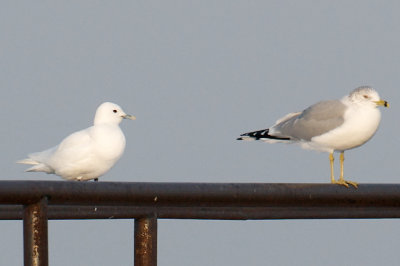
{"points": [[345, 183]]}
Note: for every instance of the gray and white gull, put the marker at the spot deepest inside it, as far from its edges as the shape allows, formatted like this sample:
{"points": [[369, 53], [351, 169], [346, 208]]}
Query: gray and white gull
{"points": [[329, 126]]}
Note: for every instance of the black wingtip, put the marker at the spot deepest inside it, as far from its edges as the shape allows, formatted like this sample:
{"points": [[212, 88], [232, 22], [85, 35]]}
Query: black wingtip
{"points": [[261, 134]]}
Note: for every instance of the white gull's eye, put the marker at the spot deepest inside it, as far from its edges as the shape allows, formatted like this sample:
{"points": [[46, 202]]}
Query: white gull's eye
{"points": [[115, 111], [366, 96]]}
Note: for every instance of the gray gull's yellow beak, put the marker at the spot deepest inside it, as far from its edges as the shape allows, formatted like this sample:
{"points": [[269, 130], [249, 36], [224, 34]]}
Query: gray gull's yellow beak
{"points": [[382, 103]]}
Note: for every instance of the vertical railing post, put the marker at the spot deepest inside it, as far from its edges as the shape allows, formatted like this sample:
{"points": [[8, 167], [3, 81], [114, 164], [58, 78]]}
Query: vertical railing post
{"points": [[35, 234], [146, 241]]}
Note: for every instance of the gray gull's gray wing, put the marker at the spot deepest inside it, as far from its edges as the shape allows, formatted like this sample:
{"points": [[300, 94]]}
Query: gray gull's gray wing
{"points": [[314, 121]]}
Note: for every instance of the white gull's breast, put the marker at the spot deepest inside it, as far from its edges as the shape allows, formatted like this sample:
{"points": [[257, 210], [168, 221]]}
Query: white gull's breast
{"points": [[360, 124]]}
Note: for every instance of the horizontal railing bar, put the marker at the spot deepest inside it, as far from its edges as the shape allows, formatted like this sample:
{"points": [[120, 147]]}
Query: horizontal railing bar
{"points": [[198, 194], [233, 201], [57, 212]]}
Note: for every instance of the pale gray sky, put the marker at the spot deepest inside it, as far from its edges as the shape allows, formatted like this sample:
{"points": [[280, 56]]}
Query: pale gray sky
{"points": [[197, 74]]}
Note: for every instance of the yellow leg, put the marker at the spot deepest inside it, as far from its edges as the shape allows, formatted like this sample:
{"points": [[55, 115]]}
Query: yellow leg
{"points": [[331, 159], [341, 165], [341, 180]]}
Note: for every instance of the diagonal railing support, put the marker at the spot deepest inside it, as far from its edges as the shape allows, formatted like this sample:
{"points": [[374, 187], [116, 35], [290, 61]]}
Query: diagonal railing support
{"points": [[35, 233]]}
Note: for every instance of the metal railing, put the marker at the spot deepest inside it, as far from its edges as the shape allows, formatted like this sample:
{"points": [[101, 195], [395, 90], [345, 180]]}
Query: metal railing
{"points": [[35, 202]]}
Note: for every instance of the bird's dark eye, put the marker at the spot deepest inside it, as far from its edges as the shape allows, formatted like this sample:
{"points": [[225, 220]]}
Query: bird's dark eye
{"points": [[366, 96], [115, 111]]}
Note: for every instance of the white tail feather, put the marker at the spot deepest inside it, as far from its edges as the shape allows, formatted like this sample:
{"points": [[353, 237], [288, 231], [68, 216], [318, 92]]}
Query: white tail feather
{"points": [[40, 168], [28, 161]]}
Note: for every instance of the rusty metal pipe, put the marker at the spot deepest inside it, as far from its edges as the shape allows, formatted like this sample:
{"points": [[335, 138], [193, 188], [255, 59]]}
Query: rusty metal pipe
{"points": [[146, 202], [146, 241], [102, 200], [198, 194], [61, 212], [35, 233]]}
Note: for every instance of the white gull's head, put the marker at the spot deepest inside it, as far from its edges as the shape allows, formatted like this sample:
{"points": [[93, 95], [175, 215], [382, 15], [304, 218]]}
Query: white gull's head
{"points": [[110, 113]]}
